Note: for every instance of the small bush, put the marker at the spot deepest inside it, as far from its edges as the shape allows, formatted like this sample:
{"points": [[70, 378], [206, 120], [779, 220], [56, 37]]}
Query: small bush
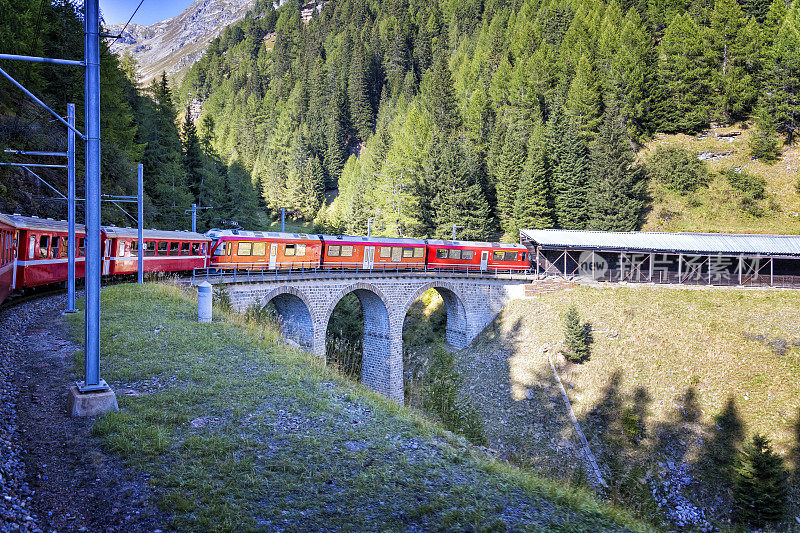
{"points": [[441, 398], [760, 489], [748, 184], [577, 337], [677, 168]]}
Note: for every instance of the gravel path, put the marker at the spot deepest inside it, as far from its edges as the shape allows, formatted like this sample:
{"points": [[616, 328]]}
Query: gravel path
{"points": [[53, 474]]}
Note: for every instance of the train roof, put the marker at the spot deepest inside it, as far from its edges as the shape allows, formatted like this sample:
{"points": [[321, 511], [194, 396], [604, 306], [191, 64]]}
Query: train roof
{"points": [[127, 233], [217, 233], [372, 240], [475, 244], [35, 223]]}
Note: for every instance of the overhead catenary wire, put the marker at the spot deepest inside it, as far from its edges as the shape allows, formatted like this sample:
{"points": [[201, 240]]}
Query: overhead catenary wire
{"points": [[129, 21]]}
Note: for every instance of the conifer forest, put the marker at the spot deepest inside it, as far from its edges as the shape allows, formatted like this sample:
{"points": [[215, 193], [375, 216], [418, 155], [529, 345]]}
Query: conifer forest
{"points": [[417, 116]]}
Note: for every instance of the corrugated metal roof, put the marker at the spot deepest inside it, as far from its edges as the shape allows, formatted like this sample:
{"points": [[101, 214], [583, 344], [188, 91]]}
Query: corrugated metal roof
{"points": [[36, 223], [474, 244], [698, 243], [217, 233]]}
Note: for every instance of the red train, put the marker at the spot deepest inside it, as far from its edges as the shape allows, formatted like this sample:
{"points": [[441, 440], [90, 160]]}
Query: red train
{"points": [[33, 252]]}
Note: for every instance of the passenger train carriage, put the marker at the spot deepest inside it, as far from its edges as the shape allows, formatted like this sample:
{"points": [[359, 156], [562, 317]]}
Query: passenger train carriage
{"points": [[164, 251], [345, 251], [477, 256], [8, 256], [264, 249], [42, 250]]}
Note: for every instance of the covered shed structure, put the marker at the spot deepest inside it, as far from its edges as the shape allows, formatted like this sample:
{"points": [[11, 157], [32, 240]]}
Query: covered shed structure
{"points": [[652, 257]]}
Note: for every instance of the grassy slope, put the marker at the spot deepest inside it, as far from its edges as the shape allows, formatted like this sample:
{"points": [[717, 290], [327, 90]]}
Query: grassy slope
{"points": [[652, 347], [239, 432], [715, 209]]}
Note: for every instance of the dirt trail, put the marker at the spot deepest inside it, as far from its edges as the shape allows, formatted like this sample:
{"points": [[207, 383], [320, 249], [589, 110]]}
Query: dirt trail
{"points": [[76, 486]]}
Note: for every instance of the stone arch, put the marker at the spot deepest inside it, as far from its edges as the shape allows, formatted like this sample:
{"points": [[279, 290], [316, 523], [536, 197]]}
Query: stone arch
{"points": [[457, 328], [382, 360], [294, 314]]}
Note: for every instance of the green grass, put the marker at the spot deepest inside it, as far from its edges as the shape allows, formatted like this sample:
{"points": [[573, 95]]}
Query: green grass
{"points": [[717, 207], [240, 433], [700, 369]]}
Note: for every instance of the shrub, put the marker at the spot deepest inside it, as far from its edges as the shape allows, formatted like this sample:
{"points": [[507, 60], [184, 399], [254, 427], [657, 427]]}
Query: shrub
{"points": [[577, 337], [441, 399], [760, 489], [748, 184], [677, 168]]}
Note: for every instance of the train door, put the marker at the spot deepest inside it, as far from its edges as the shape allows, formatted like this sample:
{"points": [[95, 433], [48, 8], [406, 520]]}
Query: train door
{"points": [[484, 260], [106, 255], [14, 257], [273, 255], [369, 256]]}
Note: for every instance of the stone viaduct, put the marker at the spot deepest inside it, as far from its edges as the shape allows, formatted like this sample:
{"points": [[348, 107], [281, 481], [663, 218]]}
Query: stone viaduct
{"points": [[305, 304]]}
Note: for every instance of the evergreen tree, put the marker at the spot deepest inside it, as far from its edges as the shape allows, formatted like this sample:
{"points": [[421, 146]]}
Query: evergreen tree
{"points": [[780, 97], [617, 193], [571, 168], [441, 101], [337, 137], [583, 99], [361, 114], [508, 173], [734, 84], [760, 489], [684, 76], [763, 143], [577, 337], [533, 208], [192, 157]]}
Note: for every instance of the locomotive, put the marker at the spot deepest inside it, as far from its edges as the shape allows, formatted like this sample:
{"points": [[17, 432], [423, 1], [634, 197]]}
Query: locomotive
{"points": [[33, 252]]}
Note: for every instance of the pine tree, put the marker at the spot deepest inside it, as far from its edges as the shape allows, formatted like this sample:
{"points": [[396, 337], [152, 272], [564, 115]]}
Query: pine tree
{"points": [[336, 137], [760, 489], [763, 143], [684, 77], [733, 81], [192, 157], [508, 173], [780, 97], [577, 337], [442, 103], [533, 208], [361, 114], [616, 196], [571, 168], [583, 99]]}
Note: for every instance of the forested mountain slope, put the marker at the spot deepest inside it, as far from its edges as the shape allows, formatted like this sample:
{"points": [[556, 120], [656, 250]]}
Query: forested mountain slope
{"points": [[488, 115]]}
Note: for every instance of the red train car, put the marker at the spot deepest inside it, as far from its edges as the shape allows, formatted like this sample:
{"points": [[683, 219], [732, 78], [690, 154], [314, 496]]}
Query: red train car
{"points": [[42, 251], [164, 251], [8, 256], [477, 256], [262, 249], [345, 251]]}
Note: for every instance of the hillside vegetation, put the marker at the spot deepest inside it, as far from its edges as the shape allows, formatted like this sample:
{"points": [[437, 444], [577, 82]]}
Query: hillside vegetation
{"points": [[718, 207], [238, 432], [677, 380], [491, 115]]}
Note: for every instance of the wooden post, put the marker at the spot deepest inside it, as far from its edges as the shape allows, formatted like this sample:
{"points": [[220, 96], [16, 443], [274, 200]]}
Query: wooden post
{"points": [[565, 264], [622, 266], [680, 268], [709, 270], [594, 277], [770, 272], [650, 272], [537, 262]]}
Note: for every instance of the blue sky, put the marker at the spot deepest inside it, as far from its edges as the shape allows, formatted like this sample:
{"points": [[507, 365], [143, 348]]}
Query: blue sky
{"points": [[118, 11]]}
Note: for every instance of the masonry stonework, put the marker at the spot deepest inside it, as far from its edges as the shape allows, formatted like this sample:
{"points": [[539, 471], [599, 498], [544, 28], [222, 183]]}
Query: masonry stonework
{"points": [[304, 307]]}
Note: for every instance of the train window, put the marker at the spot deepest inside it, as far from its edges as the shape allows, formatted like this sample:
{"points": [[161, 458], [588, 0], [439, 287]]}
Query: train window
{"points": [[162, 247], [347, 251], [55, 246], [498, 256], [220, 249], [397, 254], [174, 248], [3, 250], [245, 249], [289, 250], [186, 248], [441, 253], [229, 248], [455, 254], [511, 256], [466, 255], [82, 247], [259, 248], [386, 251], [121, 249], [334, 250], [44, 242], [301, 250], [32, 247], [149, 248], [64, 246], [419, 252], [195, 248], [135, 248], [408, 252]]}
